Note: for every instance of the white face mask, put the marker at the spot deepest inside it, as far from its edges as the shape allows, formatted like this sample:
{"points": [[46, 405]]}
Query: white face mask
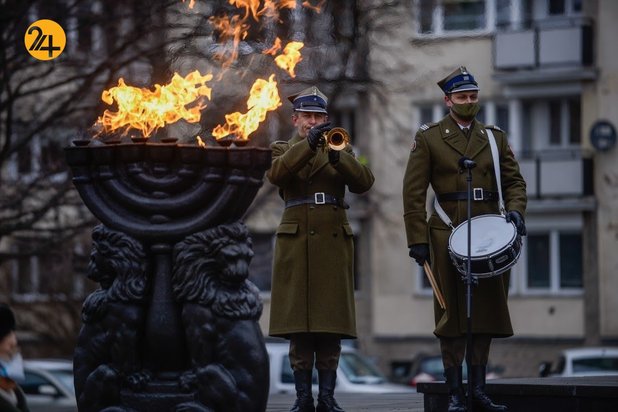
{"points": [[13, 368]]}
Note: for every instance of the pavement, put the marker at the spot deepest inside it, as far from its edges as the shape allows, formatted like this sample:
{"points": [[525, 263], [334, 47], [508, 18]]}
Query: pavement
{"points": [[355, 402]]}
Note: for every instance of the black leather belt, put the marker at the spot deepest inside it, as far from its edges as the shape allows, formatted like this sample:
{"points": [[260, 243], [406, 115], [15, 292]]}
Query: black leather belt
{"points": [[478, 194], [319, 198]]}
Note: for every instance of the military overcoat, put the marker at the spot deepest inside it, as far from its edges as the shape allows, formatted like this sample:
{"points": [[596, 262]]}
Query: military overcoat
{"points": [[434, 160], [312, 281]]}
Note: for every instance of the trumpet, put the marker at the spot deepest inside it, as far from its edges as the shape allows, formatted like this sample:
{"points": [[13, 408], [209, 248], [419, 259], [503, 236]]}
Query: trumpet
{"points": [[335, 139]]}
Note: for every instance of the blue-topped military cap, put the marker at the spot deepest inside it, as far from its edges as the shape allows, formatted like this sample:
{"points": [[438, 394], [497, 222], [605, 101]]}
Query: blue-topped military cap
{"points": [[309, 100], [459, 81]]}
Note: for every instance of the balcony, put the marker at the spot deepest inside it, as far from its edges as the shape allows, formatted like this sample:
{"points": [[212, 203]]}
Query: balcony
{"points": [[560, 177], [546, 51]]}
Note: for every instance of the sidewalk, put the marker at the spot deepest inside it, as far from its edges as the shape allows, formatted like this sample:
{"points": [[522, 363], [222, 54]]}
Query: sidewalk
{"points": [[354, 402]]}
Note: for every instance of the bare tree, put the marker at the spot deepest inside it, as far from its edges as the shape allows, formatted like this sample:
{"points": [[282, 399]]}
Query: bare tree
{"points": [[44, 105]]}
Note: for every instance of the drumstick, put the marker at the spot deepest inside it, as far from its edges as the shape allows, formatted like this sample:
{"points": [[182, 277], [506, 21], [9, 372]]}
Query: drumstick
{"points": [[434, 285]]}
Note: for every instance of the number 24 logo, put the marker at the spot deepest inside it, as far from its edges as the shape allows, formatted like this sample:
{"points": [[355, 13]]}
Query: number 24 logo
{"points": [[45, 39]]}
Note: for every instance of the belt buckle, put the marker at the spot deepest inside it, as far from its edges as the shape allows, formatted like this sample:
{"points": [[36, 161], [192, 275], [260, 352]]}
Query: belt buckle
{"points": [[319, 198], [478, 193]]}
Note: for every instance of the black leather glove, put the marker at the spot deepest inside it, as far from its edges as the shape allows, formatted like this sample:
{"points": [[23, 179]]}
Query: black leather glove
{"points": [[333, 156], [420, 253], [315, 134], [515, 217]]}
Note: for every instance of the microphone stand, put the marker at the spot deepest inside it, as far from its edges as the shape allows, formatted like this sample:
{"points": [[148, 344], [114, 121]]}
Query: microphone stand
{"points": [[469, 165]]}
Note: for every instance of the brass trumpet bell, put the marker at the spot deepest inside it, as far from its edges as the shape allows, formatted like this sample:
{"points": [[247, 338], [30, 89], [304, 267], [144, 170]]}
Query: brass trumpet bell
{"points": [[336, 138]]}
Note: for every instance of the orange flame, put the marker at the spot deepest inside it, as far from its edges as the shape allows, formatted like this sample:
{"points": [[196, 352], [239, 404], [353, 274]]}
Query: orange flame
{"points": [[229, 29], [275, 48], [263, 97], [191, 3], [290, 57], [146, 110], [315, 8]]}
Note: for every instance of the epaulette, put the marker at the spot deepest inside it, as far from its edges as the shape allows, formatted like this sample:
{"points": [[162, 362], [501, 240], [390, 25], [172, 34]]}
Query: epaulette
{"points": [[427, 126], [493, 126]]}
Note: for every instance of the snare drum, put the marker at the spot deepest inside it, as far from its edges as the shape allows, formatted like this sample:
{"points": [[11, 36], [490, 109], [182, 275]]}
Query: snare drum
{"points": [[495, 246]]}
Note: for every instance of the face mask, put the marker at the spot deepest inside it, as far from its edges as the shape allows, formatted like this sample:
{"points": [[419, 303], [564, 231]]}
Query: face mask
{"points": [[13, 368], [466, 111]]}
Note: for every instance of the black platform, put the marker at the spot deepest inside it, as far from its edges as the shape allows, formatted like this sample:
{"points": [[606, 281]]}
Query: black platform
{"points": [[581, 394]]}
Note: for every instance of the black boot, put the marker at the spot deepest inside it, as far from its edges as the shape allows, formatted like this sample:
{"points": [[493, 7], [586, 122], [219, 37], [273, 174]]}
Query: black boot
{"points": [[304, 398], [326, 401], [479, 397], [456, 397]]}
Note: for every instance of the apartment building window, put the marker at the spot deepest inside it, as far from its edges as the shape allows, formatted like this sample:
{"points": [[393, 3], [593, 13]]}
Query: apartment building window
{"points": [[42, 274], [551, 124], [444, 17], [554, 261], [562, 7]]}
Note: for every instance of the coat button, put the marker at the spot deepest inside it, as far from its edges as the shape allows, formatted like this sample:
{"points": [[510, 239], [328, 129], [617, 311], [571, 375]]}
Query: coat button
{"points": [[312, 232]]}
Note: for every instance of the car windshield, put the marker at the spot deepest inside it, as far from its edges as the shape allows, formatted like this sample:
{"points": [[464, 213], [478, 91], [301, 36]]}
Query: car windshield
{"points": [[359, 370], [65, 377], [595, 365]]}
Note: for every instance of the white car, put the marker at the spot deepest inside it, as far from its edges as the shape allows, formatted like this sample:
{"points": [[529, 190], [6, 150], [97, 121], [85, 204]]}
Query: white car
{"points": [[48, 385], [355, 373], [600, 361]]}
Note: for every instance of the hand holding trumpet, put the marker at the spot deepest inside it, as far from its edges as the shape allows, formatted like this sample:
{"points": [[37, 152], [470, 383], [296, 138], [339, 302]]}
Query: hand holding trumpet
{"points": [[314, 137], [331, 138]]}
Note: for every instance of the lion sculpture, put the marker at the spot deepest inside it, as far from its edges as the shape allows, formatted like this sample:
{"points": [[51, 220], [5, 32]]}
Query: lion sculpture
{"points": [[220, 312], [107, 353]]}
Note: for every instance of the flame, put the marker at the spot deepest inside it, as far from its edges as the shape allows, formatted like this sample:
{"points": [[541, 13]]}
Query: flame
{"points": [[315, 8], [146, 110], [263, 97], [232, 29], [236, 27], [200, 142], [290, 57], [191, 3], [275, 48]]}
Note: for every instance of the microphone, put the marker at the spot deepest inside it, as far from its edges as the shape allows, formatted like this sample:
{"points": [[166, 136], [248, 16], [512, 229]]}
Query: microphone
{"points": [[466, 163]]}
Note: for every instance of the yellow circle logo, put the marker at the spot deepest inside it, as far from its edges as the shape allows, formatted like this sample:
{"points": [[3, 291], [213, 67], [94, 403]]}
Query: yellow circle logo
{"points": [[45, 39]]}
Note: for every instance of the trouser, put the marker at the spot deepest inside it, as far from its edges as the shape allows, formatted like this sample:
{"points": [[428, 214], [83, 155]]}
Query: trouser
{"points": [[454, 350], [325, 348]]}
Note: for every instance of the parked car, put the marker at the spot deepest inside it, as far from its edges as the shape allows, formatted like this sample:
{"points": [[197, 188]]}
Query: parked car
{"points": [[582, 362], [355, 373], [48, 385], [429, 368]]}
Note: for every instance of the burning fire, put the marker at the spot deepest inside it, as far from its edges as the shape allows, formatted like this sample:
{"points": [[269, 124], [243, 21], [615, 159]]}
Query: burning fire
{"points": [[146, 110], [184, 98], [263, 98]]}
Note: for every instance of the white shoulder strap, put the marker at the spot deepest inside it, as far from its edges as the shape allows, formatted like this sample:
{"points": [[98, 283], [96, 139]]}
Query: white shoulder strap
{"points": [[496, 158]]}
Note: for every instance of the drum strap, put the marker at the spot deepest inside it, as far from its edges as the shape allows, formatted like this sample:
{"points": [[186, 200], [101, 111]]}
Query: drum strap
{"points": [[496, 160]]}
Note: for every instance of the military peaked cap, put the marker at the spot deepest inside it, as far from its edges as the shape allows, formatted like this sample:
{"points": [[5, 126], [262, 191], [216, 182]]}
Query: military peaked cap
{"points": [[309, 100], [459, 81]]}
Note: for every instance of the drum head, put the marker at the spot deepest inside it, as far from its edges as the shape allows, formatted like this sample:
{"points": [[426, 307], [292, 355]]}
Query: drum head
{"points": [[490, 233]]}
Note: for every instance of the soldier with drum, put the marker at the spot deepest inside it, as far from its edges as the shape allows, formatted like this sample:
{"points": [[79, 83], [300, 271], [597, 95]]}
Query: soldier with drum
{"points": [[436, 159]]}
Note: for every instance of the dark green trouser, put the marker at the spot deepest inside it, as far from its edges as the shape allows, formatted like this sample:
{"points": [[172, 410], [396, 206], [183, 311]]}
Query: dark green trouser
{"points": [[454, 350], [325, 348]]}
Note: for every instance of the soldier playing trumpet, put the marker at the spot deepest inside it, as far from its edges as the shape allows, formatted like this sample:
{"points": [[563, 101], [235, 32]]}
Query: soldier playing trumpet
{"points": [[312, 283]]}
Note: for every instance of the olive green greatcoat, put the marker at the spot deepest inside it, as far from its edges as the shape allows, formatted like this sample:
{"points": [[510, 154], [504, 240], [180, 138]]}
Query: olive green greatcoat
{"points": [[436, 150], [313, 282]]}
